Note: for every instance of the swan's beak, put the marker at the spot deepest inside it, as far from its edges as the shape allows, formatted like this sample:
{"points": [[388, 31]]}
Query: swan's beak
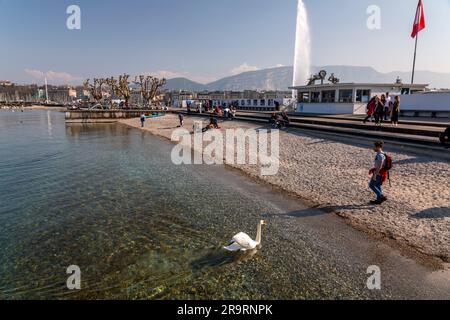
{"points": [[264, 223]]}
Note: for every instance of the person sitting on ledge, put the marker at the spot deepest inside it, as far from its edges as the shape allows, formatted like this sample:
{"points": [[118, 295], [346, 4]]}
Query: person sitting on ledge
{"points": [[276, 120], [286, 120], [273, 119], [213, 124], [232, 114], [445, 136]]}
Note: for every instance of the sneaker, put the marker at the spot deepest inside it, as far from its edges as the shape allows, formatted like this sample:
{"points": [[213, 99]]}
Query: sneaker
{"points": [[384, 199], [376, 202]]}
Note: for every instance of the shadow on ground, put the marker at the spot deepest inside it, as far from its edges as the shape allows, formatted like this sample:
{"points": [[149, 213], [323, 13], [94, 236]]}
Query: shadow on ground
{"points": [[319, 211], [433, 213], [414, 160]]}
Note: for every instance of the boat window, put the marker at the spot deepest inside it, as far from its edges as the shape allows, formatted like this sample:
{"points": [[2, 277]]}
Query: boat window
{"points": [[346, 96], [315, 97], [303, 97], [328, 96], [362, 96]]}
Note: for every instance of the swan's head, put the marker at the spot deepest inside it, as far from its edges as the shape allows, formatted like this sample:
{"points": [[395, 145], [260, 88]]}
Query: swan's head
{"points": [[263, 223]]}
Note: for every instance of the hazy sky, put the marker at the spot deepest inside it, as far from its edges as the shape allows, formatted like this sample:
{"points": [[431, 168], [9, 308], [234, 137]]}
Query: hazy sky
{"points": [[209, 39]]}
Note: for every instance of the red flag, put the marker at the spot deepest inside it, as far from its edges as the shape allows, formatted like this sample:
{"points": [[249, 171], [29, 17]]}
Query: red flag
{"points": [[419, 22]]}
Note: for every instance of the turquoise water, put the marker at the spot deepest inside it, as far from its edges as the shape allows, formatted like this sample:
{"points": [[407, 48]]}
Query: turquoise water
{"points": [[108, 199]]}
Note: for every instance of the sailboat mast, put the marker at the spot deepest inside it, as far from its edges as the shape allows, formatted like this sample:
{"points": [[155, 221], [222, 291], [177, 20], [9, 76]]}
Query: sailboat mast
{"points": [[46, 91]]}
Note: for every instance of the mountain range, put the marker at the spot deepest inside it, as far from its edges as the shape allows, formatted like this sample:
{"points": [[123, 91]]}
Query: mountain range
{"points": [[280, 78]]}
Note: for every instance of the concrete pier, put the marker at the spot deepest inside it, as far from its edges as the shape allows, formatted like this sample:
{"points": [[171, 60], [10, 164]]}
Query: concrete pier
{"points": [[102, 116]]}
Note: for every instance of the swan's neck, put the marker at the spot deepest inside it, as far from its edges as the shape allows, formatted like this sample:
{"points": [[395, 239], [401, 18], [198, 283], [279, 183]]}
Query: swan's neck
{"points": [[258, 233]]}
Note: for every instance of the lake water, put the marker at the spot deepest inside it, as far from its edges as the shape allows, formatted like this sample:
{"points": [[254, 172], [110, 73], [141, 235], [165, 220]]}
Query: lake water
{"points": [[108, 199]]}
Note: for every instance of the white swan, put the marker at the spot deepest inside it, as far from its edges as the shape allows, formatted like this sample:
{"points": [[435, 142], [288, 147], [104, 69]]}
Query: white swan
{"points": [[243, 242]]}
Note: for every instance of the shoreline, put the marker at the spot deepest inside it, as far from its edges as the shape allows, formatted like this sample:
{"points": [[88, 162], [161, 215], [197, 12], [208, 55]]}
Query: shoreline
{"points": [[376, 223], [56, 109]]}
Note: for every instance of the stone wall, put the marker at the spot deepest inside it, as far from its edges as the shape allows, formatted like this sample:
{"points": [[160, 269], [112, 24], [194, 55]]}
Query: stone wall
{"points": [[101, 116]]}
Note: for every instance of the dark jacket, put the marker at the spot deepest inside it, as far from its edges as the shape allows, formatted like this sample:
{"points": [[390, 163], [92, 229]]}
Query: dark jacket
{"points": [[379, 107]]}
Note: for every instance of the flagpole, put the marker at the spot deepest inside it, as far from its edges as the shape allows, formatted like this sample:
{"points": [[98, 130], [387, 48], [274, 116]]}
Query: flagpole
{"points": [[415, 55]]}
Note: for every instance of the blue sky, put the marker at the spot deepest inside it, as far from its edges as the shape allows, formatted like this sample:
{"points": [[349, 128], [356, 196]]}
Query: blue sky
{"points": [[209, 39]]}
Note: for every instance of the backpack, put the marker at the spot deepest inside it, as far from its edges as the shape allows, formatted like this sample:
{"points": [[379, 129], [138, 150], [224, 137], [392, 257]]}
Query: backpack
{"points": [[388, 165]]}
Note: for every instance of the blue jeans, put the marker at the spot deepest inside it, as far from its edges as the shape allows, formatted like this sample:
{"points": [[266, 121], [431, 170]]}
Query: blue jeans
{"points": [[375, 186], [386, 113]]}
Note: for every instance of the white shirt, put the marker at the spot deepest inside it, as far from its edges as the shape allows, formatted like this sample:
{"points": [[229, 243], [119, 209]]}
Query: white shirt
{"points": [[388, 101]]}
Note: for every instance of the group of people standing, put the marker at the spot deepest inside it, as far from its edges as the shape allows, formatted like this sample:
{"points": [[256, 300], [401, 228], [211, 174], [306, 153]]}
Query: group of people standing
{"points": [[383, 109]]}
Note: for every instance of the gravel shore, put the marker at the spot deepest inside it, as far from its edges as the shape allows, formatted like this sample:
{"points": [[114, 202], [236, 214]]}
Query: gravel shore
{"points": [[333, 175]]}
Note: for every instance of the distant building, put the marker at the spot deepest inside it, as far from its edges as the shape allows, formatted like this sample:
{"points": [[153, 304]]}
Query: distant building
{"points": [[6, 83], [82, 93], [178, 96], [15, 93], [41, 94], [136, 97], [61, 94], [72, 93], [35, 94], [242, 100]]}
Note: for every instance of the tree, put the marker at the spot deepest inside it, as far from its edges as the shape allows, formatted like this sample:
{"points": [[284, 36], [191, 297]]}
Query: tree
{"points": [[112, 86], [149, 87], [96, 90], [123, 88]]}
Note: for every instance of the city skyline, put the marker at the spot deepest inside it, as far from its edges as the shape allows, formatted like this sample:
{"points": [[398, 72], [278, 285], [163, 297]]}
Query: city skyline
{"points": [[192, 41]]}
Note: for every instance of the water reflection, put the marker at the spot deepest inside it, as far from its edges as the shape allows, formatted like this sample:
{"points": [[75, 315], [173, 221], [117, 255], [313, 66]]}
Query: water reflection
{"points": [[49, 124], [219, 258], [108, 199]]}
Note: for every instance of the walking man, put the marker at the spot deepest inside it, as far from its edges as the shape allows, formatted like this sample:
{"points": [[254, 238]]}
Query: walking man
{"points": [[379, 174], [181, 118], [142, 120], [387, 106]]}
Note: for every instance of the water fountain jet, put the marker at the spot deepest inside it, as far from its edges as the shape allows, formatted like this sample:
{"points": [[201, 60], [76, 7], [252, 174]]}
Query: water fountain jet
{"points": [[302, 61]]}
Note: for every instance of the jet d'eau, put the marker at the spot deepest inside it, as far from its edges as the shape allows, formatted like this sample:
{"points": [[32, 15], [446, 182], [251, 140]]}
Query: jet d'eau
{"points": [[302, 57]]}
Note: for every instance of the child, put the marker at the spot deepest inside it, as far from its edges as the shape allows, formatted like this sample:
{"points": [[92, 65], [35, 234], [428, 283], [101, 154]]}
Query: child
{"points": [[379, 174]]}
